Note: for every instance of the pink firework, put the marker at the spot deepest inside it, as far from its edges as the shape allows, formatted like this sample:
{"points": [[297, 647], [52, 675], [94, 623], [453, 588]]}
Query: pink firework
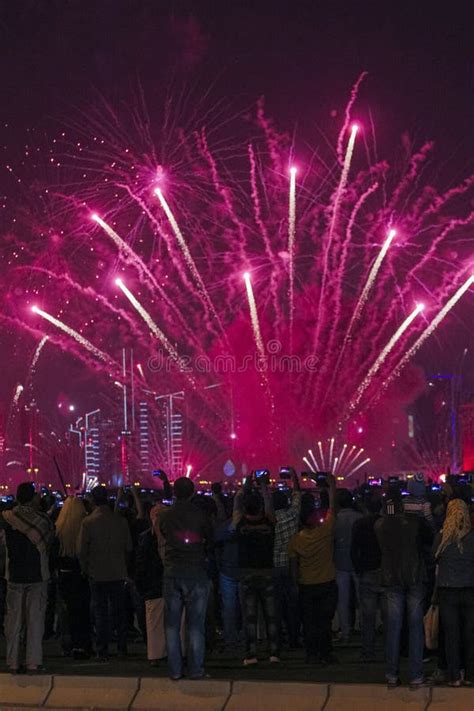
{"points": [[180, 214]]}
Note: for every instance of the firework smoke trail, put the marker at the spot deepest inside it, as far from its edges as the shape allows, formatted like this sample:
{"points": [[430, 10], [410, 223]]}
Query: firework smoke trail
{"points": [[430, 253], [309, 465], [189, 259], [341, 455], [353, 456], [335, 213], [353, 471], [19, 389], [157, 332], [347, 118], [320, 447], [331, 451], [16, 397], [170, 242], [371, 279], [383, 355], [258, 335], [339, 278], [37, 353], [315, 462], [74, 334], [429, 329], [291, 248], [254, 317], [264, 232], [223, 191], [142, 269], [88, 292]]}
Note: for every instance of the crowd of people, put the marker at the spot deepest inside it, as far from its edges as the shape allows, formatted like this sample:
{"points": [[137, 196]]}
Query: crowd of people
{"points": [[187, 568]]}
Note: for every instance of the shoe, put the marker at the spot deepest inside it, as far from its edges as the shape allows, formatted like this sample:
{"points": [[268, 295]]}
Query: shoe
{"points": [[455, 684], [467, 682], [200, 676], [154, 663], [420, 683], [176, 678], [393, 683], [274, 660], [32, 670], [438, 677], [250, 662]]}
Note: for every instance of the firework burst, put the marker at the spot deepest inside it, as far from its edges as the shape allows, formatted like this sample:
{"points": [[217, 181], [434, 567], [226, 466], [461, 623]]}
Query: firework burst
{"points": [[318, 325]]}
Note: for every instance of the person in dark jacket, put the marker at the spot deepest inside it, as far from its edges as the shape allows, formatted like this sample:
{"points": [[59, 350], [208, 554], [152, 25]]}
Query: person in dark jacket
{"points": [[401, 539], [105, 546], [29, 536], [187, 532], [254, 522], [454, 552], [366, 559], [149, 582]]}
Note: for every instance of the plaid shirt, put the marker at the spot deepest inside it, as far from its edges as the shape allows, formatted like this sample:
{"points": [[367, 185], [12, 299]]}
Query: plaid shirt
{"points": [[287, 524]]}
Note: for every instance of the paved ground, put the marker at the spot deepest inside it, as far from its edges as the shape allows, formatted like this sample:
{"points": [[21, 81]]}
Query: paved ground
{"points": [[225, 665]]}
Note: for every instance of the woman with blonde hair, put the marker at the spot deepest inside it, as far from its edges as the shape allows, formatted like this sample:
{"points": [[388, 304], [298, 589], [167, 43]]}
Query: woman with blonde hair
{"points": [[454, 552], [73, 586]]}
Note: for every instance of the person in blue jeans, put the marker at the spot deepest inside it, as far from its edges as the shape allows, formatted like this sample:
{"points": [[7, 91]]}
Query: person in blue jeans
{"points": [[366, 559], [346, 579], [228, 565], [187, 533], [401, 538]]}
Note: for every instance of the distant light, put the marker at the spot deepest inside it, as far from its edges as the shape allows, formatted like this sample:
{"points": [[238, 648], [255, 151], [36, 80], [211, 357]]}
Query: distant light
{"points": [[392, 234], [246, 276], [71, 408], [442, 478], [355, 127], [34, 309], [420, 306], [360, 430], [118, 281], [293, 170], [188, 471], [233, 435], [95, 217]]}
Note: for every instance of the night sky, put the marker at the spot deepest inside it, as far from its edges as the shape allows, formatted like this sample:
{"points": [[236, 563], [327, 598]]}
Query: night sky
{"points": [[302, 55]]}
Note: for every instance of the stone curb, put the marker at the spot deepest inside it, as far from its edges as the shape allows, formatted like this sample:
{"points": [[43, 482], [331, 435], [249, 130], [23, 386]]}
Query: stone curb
{"points": [[82, 693]]}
